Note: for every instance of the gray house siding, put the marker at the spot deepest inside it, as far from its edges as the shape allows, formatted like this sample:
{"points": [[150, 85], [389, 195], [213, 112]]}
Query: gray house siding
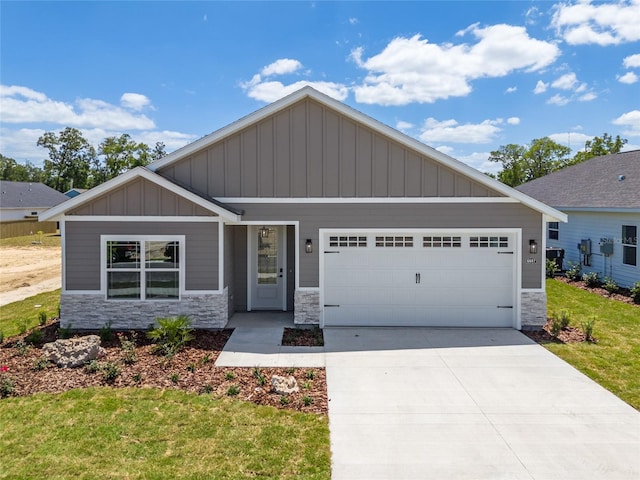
{"points": [[141, 198], [312, 217], [82, 250], [309, 150]]}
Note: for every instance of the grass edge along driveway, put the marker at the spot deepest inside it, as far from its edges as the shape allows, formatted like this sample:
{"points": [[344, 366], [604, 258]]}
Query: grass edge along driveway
{"points": [[152, 433], [614, 361]]}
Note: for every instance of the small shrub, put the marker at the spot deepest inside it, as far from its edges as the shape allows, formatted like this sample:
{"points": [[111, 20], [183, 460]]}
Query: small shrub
{"points": [[191, 367], [306, 385], [171, 334], [137, 377], [22, 327], [587, 328], [35, 337], [206, 359], [128, 346], [65, 332], [635, 292], [610, 285], [284, 400], [229, 375], [565, 319], [574, 271], [174, 377], [551, 268], [22, 347], [106, 334], [307, 400], [310, 374], [207, 388], [1, 336], [556, 327], [40, 364], [591, 279], [6, 386], [92, 367], [42, 317], [233, 390], [290, 370], [110, 371], [262, 379]]}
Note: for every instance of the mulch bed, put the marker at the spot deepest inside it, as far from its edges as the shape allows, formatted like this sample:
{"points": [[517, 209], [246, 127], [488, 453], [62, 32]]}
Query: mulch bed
{"points": [[302, 337], [191, 369], [566, 335], [624, 295]]}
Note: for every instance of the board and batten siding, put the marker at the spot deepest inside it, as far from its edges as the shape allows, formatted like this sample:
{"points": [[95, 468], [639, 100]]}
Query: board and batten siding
{"points": [[594, 226], [309, 150], [312, 217], [82, 250], [141, 197]]}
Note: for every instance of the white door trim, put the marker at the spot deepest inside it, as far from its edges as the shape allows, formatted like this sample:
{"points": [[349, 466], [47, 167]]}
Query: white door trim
{"points": [[252, 231]]}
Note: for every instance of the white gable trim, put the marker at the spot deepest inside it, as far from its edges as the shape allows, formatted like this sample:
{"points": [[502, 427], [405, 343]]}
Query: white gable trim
{"points": [[401, 138], [58, 211], [344, 200]]}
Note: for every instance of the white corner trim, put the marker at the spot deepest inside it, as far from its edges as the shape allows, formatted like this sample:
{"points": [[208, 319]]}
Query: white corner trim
{"points": [[334, 200], [221, 256]]}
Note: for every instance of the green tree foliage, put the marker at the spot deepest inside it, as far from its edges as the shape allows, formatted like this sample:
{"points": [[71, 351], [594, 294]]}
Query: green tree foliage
{"points": [[13, 171], [521, 164], [599, 146], [122, 154], [70, 159]]}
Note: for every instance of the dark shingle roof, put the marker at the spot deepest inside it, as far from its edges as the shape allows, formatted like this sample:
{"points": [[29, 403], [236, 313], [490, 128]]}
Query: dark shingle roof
{"points": [[29, 195], [610, 181]]}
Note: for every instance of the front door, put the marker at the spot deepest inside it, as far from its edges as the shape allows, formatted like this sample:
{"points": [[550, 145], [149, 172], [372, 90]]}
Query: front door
{"points": [[267, 279]]}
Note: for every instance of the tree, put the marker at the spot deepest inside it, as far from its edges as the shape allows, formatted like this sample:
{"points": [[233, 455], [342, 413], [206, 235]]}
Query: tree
{"points": [[11, 170], [123, 153], [599, 146], [521, 164], [70, 159]]}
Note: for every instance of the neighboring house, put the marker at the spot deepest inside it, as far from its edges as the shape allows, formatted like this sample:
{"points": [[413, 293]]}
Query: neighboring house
{"points": [[74, 192], [309, 206], [602, 199], [26, 200]]}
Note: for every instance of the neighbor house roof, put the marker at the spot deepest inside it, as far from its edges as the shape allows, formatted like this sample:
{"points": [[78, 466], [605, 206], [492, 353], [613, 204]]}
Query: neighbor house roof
{"points": [[29, 195], [609, 182]]}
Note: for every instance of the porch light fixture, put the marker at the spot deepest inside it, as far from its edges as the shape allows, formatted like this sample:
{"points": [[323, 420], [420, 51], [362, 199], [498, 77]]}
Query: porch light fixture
{"points": [[264, 232], [308, 247], [533, 246]]}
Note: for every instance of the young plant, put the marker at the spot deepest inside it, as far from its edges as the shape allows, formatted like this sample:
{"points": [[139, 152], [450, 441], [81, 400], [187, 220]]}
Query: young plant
{"points": [[174, 377], [610, 285], [262, 379], [556, 327], [551, 268], [635, 292], [587, 328], [128, 346], [171, 335], [191, 367], [233, 390], [92, 367], [106, 334], [565, 319], [310, 374], [574, 271], [1, 336], [110, 371], [290, 370], [137, 377], [591, 279], [284, 400], [22, 347], [206, 359], [307, 400], [229, 375], [42, 317], [65, 332], [22, 327], [40, 364], [35, 337], [6, 386]]}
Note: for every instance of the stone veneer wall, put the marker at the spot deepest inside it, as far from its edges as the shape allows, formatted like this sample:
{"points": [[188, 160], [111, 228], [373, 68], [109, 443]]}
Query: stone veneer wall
{"points": [[306, 307], [93, 311], [533, 306]]}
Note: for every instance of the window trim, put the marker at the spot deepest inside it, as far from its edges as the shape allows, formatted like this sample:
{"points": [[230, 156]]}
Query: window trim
{"points": [[629, 245], [142, 238], [553, 228]]}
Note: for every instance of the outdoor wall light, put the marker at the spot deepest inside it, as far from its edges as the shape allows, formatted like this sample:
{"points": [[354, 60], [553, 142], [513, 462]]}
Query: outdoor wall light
{"points": [[308, 247], [533, 246], [264, 232]]}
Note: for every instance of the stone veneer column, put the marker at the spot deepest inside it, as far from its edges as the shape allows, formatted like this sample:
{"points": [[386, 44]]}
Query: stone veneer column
{"points": [[93, 311], [306, 307], [533, 306]]}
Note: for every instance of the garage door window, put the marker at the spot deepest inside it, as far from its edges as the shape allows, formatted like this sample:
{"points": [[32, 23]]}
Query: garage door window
{"points": [[348, 241], [396, 241], [451, 242], [489, 242]]}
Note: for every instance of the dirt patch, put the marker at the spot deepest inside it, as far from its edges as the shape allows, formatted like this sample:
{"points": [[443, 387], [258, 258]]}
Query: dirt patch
{"points": [[27, 271], [191, 369]]}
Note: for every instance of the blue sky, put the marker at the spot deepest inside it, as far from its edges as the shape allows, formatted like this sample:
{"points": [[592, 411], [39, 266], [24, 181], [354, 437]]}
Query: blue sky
{"points": [[463, 77]]}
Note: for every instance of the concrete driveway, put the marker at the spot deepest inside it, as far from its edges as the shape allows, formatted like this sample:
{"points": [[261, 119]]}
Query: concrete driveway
{"points": [[425, 403]]}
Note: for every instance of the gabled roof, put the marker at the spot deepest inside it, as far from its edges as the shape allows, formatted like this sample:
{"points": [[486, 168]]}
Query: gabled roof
{"points": [[375, 125], [607, 182], [29, 195], [141, 172]]}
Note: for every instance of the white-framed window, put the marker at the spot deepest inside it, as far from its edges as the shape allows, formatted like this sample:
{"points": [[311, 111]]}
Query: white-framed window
{"points": [[348, 241], [143, 268], [444, 241], [489, 242], [554, 230], [394, 241], [630, 245]]}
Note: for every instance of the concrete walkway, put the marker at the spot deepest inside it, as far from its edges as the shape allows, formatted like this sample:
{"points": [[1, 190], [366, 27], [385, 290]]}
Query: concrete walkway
{"points": [[476, 404]]}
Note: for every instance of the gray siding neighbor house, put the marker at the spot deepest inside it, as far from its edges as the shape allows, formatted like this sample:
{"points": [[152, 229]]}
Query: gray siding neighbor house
{"points": [[602, 200], [308, 206]]}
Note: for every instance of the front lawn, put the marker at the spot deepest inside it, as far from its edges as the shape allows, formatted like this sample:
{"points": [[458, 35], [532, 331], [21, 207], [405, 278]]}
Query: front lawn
{"points": [[614, 361], [151, 433], [18, 317]]}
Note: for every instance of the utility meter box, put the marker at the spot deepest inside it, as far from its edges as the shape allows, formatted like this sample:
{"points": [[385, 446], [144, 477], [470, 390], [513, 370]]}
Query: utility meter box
{"points": [[606, 246], [585, 246]]}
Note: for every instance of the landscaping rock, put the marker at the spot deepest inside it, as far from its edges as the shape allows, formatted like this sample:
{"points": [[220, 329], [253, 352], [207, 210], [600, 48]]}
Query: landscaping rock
{"points": [[73, 352], [284, 385]]}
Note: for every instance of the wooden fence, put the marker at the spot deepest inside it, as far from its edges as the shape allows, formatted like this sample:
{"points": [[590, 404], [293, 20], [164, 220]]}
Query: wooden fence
{"points": [[21, 228]]}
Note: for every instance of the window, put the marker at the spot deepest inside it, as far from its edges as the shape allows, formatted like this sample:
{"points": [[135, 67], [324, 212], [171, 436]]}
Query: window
{"points": [[630, 245], [394, 241], [442, 242], [553, 230], [348, 241], [489, 242], [143, 269]]}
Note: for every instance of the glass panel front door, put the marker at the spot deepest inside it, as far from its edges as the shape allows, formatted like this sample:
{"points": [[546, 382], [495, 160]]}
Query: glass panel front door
{"points": [[266, 276]]}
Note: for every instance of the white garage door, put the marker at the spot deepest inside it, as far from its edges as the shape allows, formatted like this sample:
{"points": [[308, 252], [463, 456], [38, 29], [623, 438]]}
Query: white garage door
{"points": [[461, 279]]}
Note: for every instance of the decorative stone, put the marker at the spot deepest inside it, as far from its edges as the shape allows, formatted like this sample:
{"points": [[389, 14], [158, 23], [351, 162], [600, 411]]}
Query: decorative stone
{"points": [[284, 385], [73, 352]]}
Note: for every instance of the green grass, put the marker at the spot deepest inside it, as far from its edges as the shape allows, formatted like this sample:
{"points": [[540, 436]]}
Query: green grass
{"points": [[144, 433], [48, 240], [613, 362], [13, 315]]}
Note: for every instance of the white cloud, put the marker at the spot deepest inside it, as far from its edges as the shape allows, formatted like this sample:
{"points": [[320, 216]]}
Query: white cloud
{"points": [[632, 61], [272, 91], [541, 87], [513, 121], [571, 139], [353, 20], [413, 70], [565, 82], [404, 126], [134, 101], [630, 120], [21, 144], [511, 89], [450, 131], [24, 105], [587, 97], [603, 23], [628, 78], [447, 150], [558, 99], [282, 66], [480, 161]]}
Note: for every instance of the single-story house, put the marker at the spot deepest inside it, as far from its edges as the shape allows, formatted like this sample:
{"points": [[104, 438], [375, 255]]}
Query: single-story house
{"points": [[26, 200], [308, 206], [601, 197]]}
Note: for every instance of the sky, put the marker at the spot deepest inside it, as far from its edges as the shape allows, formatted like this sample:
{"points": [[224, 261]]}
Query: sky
{"points": [[464, 77]]}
